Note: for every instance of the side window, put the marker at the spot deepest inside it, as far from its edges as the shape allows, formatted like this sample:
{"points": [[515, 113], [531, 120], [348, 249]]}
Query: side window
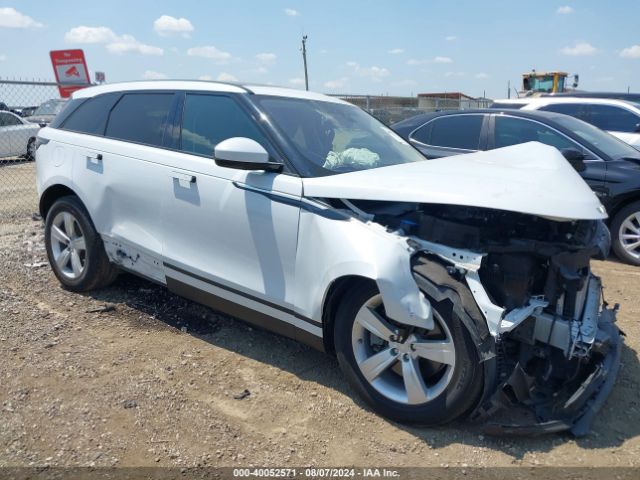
{"points": [[91, 116], [423, 134], [512, 131], [8, 120], [140, 117], [615, 119], [209, 119], [572, 109], [457, 131]]}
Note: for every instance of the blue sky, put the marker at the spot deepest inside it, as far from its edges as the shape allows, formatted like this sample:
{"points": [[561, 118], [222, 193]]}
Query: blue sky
{"points": [[398, 47]]}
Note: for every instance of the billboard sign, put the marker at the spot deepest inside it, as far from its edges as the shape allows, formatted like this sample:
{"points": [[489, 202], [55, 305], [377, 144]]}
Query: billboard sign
{"points": [[70, 69]]}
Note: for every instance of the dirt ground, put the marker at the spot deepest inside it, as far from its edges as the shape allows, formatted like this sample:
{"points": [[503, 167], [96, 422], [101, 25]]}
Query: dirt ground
{"points": [[155, 380]]}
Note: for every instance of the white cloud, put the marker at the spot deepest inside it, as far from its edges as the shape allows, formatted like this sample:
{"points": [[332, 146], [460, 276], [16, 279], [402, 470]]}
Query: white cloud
{"points": [[84, 34], [454, 74], [153, 75], [226, 77], [481, 75], [127, 43], [565, 10], [581, 48], [3, 57], [209, 51], [114, 43], [267, 58], [337, 84], [396, 51], [631, 52], [375, 73], [290, 12], [167, 25], [11, 18], [205, 77], [261, 70], [450, 38], [414, 61], [296, 81]]}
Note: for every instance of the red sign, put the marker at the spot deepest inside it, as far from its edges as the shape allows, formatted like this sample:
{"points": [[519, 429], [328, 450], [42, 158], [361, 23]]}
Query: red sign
{"points": [[70, 69]]}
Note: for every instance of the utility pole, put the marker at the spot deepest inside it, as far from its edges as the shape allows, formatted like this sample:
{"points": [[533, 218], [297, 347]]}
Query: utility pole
{"points": [[304, 58]]}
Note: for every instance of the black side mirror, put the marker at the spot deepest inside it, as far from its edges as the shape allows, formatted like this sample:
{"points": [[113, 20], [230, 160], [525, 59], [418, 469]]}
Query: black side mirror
{"points": [[575, 158], [637, 130]]}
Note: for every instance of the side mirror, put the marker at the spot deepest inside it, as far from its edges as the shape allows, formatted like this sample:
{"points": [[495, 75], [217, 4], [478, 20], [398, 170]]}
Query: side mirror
{"points": [[637, 130], [575, 158], [244, 154]]}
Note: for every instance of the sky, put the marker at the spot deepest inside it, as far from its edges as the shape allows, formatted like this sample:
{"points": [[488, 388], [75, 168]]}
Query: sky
{"points": [[401, 47]]}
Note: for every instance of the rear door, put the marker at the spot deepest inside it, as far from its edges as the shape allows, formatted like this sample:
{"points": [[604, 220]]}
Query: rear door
{"points": [[451, 135], [507, 130], [6, 148], [120, 165]]}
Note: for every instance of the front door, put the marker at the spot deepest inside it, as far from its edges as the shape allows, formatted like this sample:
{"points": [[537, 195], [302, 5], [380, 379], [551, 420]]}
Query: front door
{"points": [[229, 236]]}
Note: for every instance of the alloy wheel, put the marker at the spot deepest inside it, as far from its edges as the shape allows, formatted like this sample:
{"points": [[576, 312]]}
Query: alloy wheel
{"points": [[68, 245], [629, 235], [407, 366]]}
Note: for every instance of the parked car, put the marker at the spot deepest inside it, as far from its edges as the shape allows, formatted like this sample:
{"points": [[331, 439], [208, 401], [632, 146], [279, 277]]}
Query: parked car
{"points": [[630, 97], [440, 285], [609, 166], [27, 111], [618, 117], [17, 136], [46, 112]]}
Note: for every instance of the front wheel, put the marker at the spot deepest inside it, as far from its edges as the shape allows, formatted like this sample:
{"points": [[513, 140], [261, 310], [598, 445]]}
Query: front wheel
{"points": [[625, 233], [407, 374]]}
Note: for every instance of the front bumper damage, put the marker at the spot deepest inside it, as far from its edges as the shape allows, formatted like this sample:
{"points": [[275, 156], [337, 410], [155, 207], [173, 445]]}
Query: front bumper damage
{"points": [[564, 373]]}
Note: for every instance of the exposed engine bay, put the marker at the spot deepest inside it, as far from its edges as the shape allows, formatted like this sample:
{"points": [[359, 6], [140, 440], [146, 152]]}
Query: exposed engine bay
{"points": [[523, 287]]}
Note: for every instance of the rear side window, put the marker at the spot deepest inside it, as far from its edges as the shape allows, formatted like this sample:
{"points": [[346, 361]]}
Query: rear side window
{"points": [[454, 131], [8, 120], [140, 118], [210, 119], [572, 109], [513, 131], [615, 119], [91, 116]]}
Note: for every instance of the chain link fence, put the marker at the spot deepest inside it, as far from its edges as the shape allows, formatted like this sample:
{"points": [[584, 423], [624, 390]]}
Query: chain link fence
{"points": [[391, 109], [25, 106]]}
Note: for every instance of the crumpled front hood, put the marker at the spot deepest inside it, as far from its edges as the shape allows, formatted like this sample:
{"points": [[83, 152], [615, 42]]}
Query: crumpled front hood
{"points": [[529, 178]]}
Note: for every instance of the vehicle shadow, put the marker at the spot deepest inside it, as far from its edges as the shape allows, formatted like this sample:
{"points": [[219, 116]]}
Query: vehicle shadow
{"points": [[617, 422]]}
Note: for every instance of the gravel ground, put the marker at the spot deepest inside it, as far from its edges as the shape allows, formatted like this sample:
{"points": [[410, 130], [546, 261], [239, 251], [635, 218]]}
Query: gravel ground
{"points": [[155, 380]]}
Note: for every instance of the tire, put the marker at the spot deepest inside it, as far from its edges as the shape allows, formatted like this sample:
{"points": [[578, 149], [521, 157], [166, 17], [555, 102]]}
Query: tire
{"points": [[74, 248], [453, 390], [625, 232], [31, 150]]}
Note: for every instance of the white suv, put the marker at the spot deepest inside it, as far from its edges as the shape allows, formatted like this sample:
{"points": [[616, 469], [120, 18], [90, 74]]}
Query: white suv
{"points": [[441, 286], [620, 118]]}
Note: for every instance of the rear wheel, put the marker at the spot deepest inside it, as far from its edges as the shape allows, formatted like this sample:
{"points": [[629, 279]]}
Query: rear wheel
{"points": [[407, 374], [31, 149], [75, 250], [625, 232]]}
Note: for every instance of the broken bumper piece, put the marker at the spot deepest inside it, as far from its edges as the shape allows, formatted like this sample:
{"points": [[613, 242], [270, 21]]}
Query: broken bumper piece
{"points": [[566, 406]]}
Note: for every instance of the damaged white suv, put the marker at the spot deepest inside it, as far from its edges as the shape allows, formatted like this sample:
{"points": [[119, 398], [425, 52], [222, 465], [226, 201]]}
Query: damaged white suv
{"points": [[446, 289]]}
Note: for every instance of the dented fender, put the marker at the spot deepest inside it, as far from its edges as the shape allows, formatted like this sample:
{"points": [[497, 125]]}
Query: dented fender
{"points": [[370, 252]]}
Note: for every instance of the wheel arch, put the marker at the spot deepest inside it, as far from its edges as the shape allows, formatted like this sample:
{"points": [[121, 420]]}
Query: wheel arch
{"points": [[53, 193], [628, 199], [334, 295]]}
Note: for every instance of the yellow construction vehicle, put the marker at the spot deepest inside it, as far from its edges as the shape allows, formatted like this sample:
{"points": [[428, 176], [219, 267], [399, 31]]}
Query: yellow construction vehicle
{"points": [[536, 83]]}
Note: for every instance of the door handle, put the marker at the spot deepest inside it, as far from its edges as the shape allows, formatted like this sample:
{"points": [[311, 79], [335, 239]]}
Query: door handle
{"points": [[184, 179], [94, 156]]}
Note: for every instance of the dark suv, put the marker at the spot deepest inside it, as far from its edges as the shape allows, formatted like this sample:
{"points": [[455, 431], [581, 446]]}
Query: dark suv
{"points": [[608, 165]]}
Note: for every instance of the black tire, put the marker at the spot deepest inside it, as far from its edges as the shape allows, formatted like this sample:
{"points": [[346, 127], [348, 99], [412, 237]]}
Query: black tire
{"points": [[616, 224], [457, 399], [98, 271], [30, 155]]}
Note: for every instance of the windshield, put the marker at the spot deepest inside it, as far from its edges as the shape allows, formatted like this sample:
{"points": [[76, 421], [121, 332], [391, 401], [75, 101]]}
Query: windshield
{"points": [[607, 143], [50, 107], [336, 137]]}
